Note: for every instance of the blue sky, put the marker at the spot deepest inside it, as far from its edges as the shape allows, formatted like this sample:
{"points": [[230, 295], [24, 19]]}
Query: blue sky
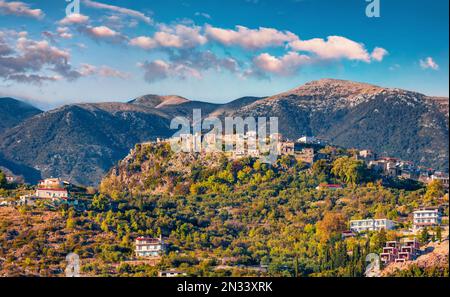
{"points": [[211, 50]]}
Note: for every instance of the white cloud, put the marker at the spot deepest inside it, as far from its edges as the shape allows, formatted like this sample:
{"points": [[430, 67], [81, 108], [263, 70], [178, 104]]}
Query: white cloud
{"points": [[130, 12], [102, 71], [250, 38], [378, 54], [144, 42], [285, 65], [19, 9], [335, 47], [74, 19], [103, 32], [64, 32], [179, 36], [429, 63]]}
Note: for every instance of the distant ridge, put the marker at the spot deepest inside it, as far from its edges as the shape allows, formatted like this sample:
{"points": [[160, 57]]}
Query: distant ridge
{"points": [[81, 142], [13, 111]]}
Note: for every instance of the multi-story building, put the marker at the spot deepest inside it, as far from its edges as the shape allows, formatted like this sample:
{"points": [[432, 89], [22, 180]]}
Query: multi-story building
{"points": [[404, 251], [390, 252], [149, 247], [426, 217], [371, 225], [409, 250]]}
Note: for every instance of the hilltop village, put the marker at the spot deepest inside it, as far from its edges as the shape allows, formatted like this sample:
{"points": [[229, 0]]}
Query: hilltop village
{"points": [[229, 214]]}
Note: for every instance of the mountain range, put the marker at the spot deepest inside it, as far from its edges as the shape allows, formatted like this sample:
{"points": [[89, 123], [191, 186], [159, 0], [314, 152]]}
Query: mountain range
{"points": [[81, 142]]}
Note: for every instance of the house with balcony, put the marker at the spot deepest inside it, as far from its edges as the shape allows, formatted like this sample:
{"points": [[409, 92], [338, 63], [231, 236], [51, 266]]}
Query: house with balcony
{"points": [[149, 247], [426, 217], [371, 225], [409, 250], [390, 252], [400, 252]]}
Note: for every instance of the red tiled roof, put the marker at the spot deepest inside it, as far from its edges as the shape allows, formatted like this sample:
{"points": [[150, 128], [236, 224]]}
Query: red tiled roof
{"points": [[331, 185], [151, 240]]}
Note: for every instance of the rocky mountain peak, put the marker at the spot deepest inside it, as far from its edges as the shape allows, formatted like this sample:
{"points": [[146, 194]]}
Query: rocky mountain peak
{"points": [[333, 88], [156, 101]]}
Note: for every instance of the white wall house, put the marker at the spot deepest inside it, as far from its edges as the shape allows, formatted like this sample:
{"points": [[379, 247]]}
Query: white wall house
{"points": [[51, 183], [149, 247], [49, 193], [307, 139], [371, 225], [426, 217]]}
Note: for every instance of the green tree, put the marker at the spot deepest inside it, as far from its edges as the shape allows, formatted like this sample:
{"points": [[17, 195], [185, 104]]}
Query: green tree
{"points": [[424, 235], [439, 233], [349, 170], [321, 168], [100, 202]]}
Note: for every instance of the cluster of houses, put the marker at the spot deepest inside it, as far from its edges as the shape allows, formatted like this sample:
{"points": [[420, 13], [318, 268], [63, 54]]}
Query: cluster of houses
{"points": [[51, 190], [402, 251], [407, 249], [394, 167], [304, 149]]}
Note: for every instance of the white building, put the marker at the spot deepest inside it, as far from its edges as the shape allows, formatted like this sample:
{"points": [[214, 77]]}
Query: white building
{"points": [[307, 139], [426, 217], [371, 225], [50, 193], [149, 247], [51, 183]]}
